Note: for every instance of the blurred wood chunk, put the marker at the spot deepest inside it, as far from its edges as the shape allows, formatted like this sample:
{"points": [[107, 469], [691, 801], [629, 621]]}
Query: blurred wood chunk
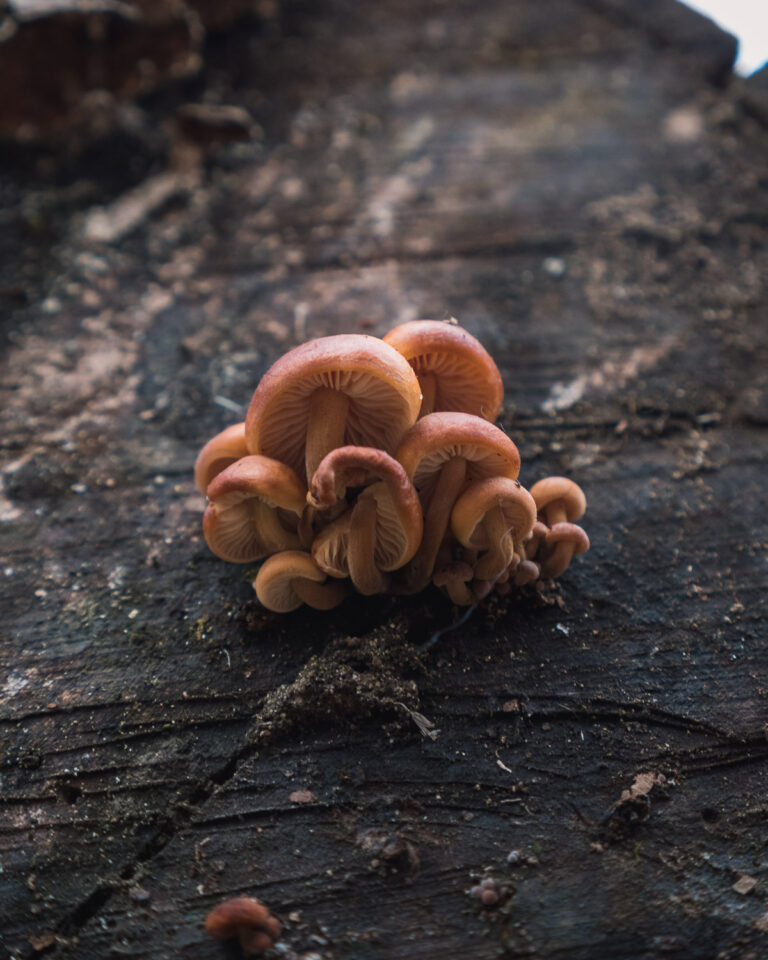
{"points": [[54, 53], [209, 124]]}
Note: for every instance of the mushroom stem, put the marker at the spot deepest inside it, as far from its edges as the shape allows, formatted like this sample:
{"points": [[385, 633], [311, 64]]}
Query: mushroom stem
{"points": [[321, 596], [273, 534], [365, 575], [560, 555], [564, 540], [459, 593], [448, 487], [555, 512], [499, 555], [558, 560], [326, 427], [428, 386], [304, 529], [539, 532]]}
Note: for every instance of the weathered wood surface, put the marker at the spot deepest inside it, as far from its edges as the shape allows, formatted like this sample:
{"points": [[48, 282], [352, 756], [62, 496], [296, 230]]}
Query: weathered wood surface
{"points": [[579, 195]]}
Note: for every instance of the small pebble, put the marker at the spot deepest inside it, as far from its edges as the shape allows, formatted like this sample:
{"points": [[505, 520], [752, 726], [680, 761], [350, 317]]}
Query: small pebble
{"points": [[489, 897], [554, 266], [485, 892], [51, 305]]}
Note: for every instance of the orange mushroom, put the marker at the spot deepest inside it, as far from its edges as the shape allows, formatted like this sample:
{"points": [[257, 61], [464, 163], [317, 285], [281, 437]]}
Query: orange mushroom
{"points": [[288, 579], [455, 370], [254, 508], [494, 516], [560, 502], [538, 535], [565, 541], [248, 920], [455, 576], [527, 572], [381, 532], [346, 389], [222, 450], [442, 453]]}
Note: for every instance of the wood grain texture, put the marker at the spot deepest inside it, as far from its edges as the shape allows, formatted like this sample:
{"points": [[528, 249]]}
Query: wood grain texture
{"points": [[595, 212]]}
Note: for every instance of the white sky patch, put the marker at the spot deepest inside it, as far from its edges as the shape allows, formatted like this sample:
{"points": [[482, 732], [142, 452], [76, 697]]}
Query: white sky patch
{"points": [[745, 19]]}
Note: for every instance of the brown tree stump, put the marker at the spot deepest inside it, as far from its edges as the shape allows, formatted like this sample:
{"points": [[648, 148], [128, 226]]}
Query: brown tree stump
{"points": [[584, 187]]}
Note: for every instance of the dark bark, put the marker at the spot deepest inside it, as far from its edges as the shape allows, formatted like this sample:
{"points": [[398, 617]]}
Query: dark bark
{"points": [[595, 212]]}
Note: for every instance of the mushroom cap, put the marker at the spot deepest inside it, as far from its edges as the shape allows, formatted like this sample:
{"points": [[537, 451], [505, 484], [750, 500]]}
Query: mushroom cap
{"points": [[220, 451], [438, 437], [351, 466], [455, 577], [399, 522], [466, 378], [383, 392], [568, 533], [527, 572], [242, 521], [552, 489], [274, 582], [232, 917], [469, 512]]}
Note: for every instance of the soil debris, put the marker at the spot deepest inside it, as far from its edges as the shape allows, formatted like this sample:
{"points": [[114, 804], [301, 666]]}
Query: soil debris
{"points": [[745, 884], [353, 678], [302, 796], [642, 786], [390, 849], [634, 805]]}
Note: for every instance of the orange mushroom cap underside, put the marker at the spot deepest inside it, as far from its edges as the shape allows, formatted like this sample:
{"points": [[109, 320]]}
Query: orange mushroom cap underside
{"points": [[222, 450], [465, 377], [381, 388], [253, 510], [440, 437], [476, 503]]}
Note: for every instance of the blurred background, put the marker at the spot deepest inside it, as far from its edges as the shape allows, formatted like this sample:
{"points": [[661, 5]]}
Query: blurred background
{"points": [[73, 70], [188, 189]]}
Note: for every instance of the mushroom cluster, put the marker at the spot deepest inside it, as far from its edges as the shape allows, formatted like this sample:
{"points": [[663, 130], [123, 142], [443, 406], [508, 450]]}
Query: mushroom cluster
{"points": [[375, 465]]}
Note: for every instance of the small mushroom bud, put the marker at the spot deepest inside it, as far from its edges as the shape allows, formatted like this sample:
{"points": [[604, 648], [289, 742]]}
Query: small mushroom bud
{"points": [[248, 920], [527, 572], [454, 577], [560, 502]]}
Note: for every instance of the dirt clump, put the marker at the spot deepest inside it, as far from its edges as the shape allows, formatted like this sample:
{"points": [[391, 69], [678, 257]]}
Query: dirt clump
{"points": [[353, 678]]}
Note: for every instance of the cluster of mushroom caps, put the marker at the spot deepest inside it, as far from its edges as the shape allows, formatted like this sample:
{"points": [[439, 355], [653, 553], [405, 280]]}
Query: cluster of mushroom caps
{"points": [[375, 465]]}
